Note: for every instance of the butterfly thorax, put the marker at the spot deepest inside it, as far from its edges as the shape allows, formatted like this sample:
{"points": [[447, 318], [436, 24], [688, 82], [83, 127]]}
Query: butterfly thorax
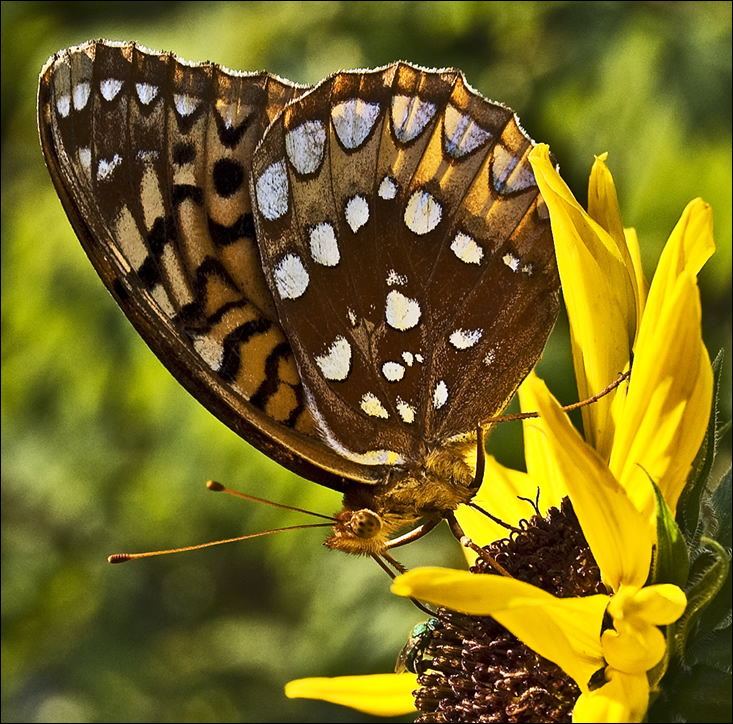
{"points": [[422, 491]]}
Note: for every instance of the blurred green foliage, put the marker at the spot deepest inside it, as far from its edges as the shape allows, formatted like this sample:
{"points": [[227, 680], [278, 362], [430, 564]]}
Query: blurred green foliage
{"points": [[103, 452]]}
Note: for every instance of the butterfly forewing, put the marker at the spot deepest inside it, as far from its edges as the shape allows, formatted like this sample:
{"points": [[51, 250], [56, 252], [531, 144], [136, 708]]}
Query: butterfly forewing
{"points": [[409, 254], [151, 157]]}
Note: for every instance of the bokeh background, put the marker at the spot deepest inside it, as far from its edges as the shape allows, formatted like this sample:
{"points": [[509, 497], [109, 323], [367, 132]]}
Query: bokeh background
{"points": [[103, 452]]}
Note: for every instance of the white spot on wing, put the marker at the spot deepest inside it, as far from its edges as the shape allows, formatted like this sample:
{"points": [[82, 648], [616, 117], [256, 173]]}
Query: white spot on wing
{"points": [[393, 371], [272, 191], [146, 92], [63, 105], [462, 133], [511, 261], [304, 146], [336, 363], [210, 352], [489, 358], [85, 158], [466, 249], [406, 411], [148, 156], [373, 407], [324, 247], [465, 338], [387, 189], [105, 168], [185, 104], [506, 176], [409, 358], [356, 212], [291, 278], [402, 312], [394, 279], [353, 120], [410, 115], [440, 395], [422, 213], [109, 88], [81, 95]]}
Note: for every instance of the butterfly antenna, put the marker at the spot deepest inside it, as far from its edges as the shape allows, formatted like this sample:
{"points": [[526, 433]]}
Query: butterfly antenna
{"points": [[219, 488], [124, 557], [566, 408]]}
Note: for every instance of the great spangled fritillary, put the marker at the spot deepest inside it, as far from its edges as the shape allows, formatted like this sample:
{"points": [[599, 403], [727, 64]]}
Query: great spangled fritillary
{"points": [[350, 276]]}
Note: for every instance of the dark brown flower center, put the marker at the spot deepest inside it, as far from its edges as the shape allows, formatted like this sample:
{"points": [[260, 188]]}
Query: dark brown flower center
{"points": [[474, 670]]}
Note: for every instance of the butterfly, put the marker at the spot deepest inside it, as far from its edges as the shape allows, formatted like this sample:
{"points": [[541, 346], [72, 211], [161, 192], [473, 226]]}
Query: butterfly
{"points": [[350, 276]]}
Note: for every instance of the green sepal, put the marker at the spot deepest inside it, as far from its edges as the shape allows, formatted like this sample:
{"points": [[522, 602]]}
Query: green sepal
{"points": [[696, 683], [689, 505], [693, 682], [671, 563], [708, 573], [714, 559]]}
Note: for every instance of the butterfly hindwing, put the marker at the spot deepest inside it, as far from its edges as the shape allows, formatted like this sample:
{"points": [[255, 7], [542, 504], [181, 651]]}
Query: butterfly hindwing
{"points": [[409, 254]]}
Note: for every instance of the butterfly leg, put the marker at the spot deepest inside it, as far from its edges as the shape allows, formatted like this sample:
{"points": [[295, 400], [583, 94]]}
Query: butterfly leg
{"points": [[478, 477], [414, 534], [466, 542]]}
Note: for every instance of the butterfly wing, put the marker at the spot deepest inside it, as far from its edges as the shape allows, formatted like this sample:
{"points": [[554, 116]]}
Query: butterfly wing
{"points": [[409, 254], [151, 158]]}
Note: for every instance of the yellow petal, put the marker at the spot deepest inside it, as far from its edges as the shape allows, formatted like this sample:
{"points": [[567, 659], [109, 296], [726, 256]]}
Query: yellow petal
{"points": [[378, 695], [642, 287], [659, 604], [624, 698], [603, 202], [603, 207], [618, 535], [633, 647], [500, 495], [563, 630], [689, 246], [635, 644], [669, 398], [541, 466], [599, 296], [670, 394]]}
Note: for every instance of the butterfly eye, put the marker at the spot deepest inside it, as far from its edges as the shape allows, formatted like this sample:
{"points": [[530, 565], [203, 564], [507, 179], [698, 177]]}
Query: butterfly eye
{"points": [[365, 524]]}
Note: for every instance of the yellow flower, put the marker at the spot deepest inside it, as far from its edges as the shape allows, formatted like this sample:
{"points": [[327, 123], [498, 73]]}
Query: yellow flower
{"points": [[650, 433], [647, 431]]}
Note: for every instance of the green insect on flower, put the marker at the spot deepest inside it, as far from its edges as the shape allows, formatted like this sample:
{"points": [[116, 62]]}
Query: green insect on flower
{"points": [[411, 656]]}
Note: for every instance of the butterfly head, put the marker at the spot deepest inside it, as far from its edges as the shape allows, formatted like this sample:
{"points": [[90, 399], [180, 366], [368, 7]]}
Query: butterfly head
{"points": [[374, 514], [359, 532]]}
